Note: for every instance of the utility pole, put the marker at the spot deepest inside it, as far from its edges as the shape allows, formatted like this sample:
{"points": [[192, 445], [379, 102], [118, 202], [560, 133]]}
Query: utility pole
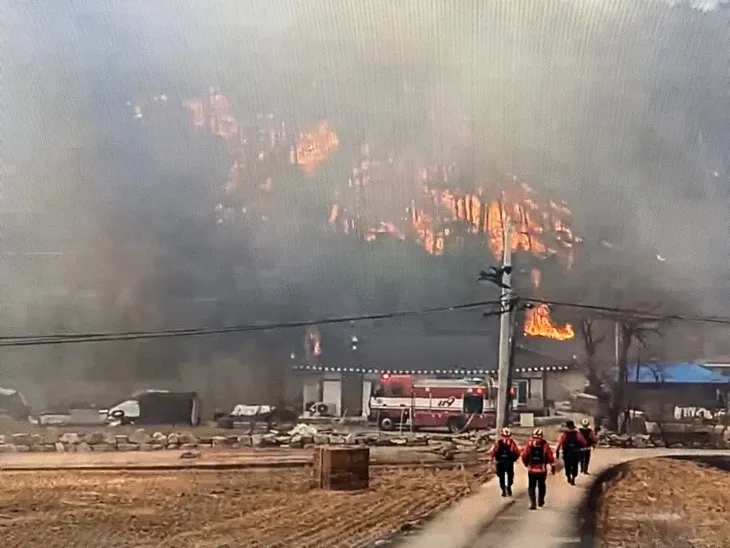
{"points": [[617, 343], [514, 327], [505, 324]]}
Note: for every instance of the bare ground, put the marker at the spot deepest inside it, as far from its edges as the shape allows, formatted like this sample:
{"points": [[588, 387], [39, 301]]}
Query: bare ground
{"points": [[666, 503], [214, 509]]}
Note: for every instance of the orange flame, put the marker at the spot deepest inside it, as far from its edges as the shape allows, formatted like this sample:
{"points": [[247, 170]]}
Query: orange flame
{"points": [[538, 323], [312, 148]]}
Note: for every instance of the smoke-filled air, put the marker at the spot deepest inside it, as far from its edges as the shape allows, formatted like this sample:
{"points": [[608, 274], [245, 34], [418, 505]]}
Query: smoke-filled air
{"points": [[201, 163]]}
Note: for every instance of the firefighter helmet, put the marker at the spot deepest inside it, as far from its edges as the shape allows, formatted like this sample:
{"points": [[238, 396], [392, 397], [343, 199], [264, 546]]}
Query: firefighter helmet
{"points": [[537, 433], [585, 422], [506, 432]]}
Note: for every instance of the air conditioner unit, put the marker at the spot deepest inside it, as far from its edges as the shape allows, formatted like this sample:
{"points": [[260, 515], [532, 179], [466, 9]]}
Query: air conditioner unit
{"points": [[320, 409]]}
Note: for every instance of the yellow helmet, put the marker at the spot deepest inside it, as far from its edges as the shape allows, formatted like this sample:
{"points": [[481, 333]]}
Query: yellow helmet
{"points": [[537, 433]]}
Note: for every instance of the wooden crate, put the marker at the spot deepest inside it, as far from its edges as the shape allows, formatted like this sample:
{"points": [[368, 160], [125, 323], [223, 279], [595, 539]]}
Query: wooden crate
{"points": [[342, 468]]}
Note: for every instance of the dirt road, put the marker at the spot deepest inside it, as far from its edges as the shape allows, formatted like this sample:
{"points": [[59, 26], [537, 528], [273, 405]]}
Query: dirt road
{"points": [[214, 509]]}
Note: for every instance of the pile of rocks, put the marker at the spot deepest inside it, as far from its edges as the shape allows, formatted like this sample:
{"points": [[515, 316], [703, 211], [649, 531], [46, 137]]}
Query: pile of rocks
{"points": [[647, 441], [301, 436]]}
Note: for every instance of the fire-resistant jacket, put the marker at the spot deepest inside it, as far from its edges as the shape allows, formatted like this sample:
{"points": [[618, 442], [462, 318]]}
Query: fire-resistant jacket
{"points": [[579, 440], [547, 456], [511, 446]]}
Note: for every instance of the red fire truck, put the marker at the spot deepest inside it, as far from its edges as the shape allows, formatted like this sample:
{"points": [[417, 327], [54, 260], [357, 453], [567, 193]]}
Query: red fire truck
{"points": [[421, 402]]}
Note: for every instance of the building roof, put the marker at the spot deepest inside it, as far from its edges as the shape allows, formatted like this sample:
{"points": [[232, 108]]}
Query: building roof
{"points": [[684, 373], [393, 348], [454, 372]]}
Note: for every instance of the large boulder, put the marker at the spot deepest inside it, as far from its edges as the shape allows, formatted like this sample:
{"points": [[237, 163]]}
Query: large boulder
{"points": [[303, 430], [187, 437], [159, 438], [320, 439], [640, 441], [215, 441], [95, 438], [269, 440], [8, 448], [71, 438], [21, 439], [82, 447], [140, 436]]}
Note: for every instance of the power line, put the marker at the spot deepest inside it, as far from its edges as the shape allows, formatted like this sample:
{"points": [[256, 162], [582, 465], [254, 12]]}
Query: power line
{"points": [[39, 340], [636, 313], [69, 338]]}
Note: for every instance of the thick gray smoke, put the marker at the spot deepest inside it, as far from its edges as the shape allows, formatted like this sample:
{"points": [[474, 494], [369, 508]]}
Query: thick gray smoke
{"points": [[704, 6], [618, 106]]}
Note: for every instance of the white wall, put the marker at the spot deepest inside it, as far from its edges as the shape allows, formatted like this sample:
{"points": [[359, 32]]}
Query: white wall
{"points": [[332, 395], [559, 385]]}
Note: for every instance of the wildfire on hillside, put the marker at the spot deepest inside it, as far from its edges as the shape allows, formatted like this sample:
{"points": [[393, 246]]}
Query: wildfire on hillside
{"points": [[312, 148], [542, 231]]}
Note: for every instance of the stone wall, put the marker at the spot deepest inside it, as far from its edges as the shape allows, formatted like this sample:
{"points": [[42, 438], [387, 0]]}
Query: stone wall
{"points": [[300, 437]]}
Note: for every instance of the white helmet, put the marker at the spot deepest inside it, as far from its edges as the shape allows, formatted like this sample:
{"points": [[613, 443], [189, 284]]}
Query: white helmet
{"points": [[585, 422], [506, 432], [537, 433]]}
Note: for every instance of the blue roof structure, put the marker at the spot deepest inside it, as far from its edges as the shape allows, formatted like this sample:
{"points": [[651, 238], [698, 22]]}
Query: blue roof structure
{"points": [[681, 373]]}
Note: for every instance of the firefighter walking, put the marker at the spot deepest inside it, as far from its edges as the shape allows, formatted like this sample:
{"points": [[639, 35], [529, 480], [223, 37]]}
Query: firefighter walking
{"points": [[537, 456], [504, 453], [589, 435], [572, 443]]}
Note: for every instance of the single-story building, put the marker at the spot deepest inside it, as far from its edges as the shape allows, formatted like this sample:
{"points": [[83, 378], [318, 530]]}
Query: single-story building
{"points": [[341, 363], [677, 389], [346, 390]]}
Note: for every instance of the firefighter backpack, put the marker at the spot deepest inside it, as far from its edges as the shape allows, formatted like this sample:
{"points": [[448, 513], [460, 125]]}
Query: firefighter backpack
{"points": [[537, 454], [571, 441], [586, 433], [504, 452]]}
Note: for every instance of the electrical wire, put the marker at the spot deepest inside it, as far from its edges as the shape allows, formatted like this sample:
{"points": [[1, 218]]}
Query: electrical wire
{"points": [[38, 340], [521, 302], [632, 312]]}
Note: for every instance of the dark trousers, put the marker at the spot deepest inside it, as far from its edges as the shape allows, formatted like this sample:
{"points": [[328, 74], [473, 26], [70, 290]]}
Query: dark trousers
{"points": [[571, 459], [585, 460], [536, 482], [506, 474]]}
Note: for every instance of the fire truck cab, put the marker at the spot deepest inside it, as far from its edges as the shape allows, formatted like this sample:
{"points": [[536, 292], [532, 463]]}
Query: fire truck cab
{"points": [[423, 403]]}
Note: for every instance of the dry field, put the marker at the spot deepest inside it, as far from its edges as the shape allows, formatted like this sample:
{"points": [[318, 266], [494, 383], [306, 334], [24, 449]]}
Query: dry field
{"points": [[666, 503], [214, 509]]}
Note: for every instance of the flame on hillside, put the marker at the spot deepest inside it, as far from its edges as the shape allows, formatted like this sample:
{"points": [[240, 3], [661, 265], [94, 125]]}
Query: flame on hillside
{"points": [[312, 148]]}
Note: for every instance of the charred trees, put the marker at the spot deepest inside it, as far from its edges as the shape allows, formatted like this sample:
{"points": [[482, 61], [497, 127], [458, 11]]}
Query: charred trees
{"points": [[630, 331]]}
